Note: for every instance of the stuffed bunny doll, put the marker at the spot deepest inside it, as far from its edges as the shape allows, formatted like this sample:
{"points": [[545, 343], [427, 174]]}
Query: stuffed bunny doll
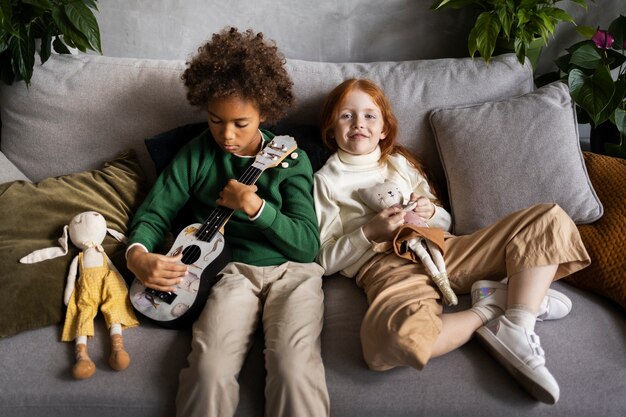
{"points": [[99, 285], [427, 244]]}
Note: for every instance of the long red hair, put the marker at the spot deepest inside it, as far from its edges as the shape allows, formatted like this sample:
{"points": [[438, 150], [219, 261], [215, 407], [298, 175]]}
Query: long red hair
{"points": [[389, 146]]}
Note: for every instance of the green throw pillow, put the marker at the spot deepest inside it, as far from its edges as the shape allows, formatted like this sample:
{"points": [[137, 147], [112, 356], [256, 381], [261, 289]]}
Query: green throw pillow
{"points": [[32, 216]]}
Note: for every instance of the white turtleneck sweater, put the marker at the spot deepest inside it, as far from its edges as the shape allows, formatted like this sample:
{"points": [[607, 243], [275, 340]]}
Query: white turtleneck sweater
{"points": [[341, 213]]}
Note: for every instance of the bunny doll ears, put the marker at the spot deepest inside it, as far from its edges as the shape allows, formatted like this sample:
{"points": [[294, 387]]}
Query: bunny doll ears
{"points": [[56, 251], [48, 253]]}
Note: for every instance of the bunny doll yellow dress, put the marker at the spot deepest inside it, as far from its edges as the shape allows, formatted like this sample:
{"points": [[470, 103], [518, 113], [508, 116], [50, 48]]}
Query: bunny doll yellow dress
{"points": [[97, 287]]}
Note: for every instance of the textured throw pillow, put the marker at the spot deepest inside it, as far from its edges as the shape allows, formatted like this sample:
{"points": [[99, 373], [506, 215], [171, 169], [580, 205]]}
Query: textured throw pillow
{"points": [[605, 239], [32, 217], [164, 146], [504, 156], [309, 139]]}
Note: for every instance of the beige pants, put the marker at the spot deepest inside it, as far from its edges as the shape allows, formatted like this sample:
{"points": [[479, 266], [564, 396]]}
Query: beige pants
{"points": [[289, 301], [403, 319]]}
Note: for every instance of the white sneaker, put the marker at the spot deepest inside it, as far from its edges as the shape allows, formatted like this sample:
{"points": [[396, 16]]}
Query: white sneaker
{"points": [[520, 352], [555, 304]]}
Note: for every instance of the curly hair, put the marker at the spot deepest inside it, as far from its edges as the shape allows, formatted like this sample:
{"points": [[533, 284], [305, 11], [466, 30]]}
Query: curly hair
{"points": [[240, 64]]}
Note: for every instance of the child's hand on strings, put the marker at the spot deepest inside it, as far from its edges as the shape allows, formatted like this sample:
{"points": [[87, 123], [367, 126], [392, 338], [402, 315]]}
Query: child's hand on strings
{"points": [[239, 196]]}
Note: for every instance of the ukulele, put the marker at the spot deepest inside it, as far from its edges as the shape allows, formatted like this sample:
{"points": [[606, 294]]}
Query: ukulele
{"points": [[204, 251]]}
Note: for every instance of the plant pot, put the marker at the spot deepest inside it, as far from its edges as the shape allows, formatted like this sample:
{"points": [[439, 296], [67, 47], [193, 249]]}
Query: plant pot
{"points": [[532, 53], [605, 139]]}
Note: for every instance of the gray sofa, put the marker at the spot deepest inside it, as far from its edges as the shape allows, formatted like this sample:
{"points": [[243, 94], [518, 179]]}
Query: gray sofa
{"points": [[80, 111]]}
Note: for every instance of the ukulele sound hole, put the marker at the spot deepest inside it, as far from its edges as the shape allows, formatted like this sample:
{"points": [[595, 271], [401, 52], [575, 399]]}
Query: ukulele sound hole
{"points": [[191, 254]]}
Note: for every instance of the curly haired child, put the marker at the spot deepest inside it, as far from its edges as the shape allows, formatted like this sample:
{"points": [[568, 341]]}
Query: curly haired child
{"points": [[405, 324], [240, 79]]}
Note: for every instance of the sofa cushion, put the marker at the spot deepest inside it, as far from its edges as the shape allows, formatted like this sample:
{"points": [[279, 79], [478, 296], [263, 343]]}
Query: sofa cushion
{"points": [[506, 155], [9, 172], [605, 239], [81, 110], [33, 216]]}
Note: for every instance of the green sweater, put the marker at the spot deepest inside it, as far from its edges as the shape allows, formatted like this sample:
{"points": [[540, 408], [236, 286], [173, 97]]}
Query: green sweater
{"points": [[286, 229]]}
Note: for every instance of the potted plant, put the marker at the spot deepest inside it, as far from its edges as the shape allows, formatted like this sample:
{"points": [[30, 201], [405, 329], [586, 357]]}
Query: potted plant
{"points": [[526, 25], [595, 72], [58, 24]]}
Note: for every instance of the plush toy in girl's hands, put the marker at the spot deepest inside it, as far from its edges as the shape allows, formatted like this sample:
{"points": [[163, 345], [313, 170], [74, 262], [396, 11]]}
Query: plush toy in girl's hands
{"points": [[426, 244], [99, 285]]}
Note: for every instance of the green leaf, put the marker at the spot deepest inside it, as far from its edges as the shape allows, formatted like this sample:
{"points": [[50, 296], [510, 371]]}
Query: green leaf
{"points": [[71, 36], [581, 3], [614, 149], [592, 93], [83, 19], [486, 30], [617, 28], [42, 4], [46, 41], [559, 15], [586, 31], [520, 50], [615, 59], [586, 56], [23, 54], [91, 4], [59, 46], [620, 120], [6, 18], [452, 4], [4, 41], [506, 19], [562, 62]]}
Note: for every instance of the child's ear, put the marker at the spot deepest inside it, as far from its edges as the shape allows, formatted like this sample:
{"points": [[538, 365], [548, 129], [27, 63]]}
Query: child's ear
{"points": [[383, 134]]}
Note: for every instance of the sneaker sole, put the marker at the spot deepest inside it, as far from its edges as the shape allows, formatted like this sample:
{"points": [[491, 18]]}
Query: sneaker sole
{"points": [[522, 373]]}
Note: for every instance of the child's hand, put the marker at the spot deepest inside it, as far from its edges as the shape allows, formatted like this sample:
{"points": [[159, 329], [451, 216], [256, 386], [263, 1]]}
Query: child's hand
{"points": [[239, 196], [382, 227], [424, 207], [156, 271]]}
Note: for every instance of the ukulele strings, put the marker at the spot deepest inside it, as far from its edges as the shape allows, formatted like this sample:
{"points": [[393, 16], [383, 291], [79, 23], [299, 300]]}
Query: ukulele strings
{"points": [[212, 225]]}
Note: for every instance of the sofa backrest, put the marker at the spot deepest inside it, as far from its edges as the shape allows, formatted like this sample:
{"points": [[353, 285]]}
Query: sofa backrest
{"points": [[81, 110]]}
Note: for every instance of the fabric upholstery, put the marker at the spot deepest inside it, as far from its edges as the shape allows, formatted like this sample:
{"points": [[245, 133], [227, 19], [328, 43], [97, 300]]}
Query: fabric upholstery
{"points": [[504, 156], [33, 216], [605, 239], [118, 102]]}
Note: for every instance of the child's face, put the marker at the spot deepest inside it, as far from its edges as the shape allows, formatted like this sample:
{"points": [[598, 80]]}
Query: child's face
{"points": [[359, 125], [234, 123]]}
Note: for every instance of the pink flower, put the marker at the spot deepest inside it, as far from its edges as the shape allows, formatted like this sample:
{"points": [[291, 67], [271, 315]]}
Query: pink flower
{"points": [[603, 39]]}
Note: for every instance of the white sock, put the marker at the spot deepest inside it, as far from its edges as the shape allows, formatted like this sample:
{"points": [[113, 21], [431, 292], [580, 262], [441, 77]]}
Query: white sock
{"points": [[81, 340], [487, 312], [116, 328], [522, 316]]}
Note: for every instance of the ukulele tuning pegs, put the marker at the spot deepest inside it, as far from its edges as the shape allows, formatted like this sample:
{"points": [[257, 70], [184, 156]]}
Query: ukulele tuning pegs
{"points": [[270, 156], [277, 147]]}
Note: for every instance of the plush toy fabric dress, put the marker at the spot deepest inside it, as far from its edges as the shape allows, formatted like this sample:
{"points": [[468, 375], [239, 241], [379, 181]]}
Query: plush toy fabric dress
{"points": [[97, 287]]}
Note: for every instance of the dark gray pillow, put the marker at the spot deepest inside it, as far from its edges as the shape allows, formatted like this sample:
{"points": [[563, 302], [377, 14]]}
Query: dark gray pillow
{"points": [[504, 156]]}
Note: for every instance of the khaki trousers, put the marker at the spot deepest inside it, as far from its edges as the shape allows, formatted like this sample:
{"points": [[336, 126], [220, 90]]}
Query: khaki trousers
{"points": [[289, 301], [403, 318]]}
